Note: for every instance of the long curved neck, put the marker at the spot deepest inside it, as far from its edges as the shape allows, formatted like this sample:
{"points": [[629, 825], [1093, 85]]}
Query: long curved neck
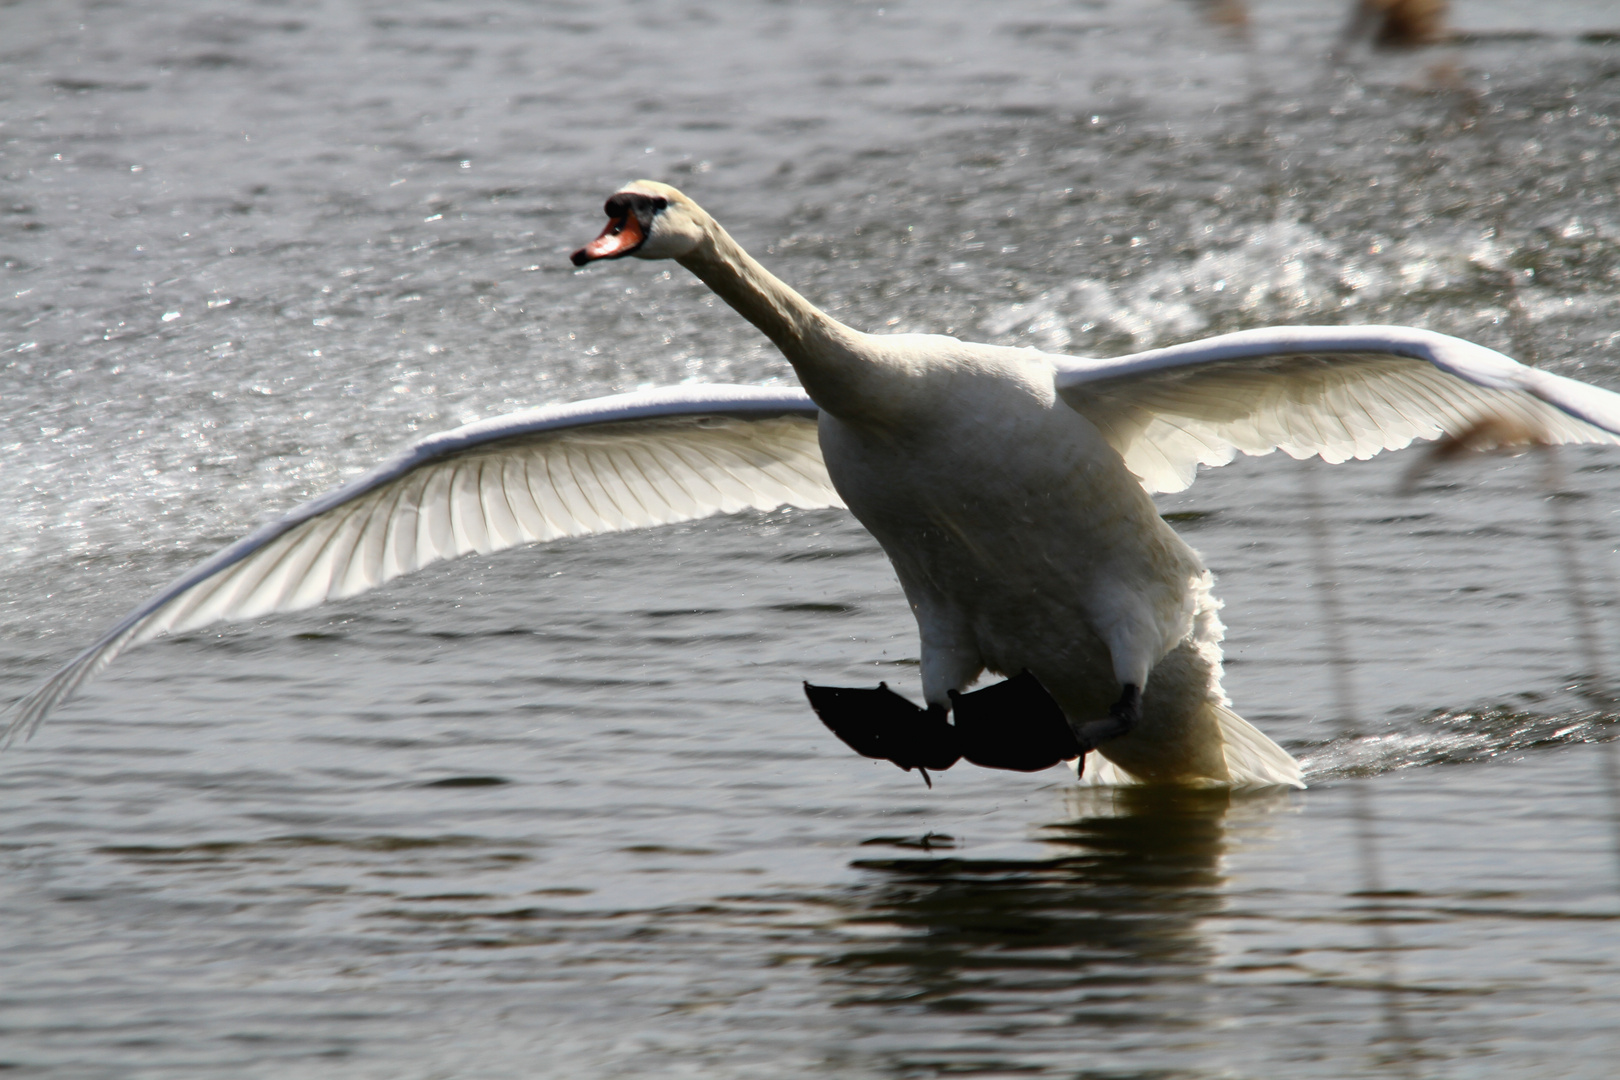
{"points": [[826, 354]]}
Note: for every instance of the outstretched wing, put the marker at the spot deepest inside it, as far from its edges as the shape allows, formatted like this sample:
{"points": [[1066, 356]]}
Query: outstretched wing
{"points": [[1338, 392], [625, 462]]}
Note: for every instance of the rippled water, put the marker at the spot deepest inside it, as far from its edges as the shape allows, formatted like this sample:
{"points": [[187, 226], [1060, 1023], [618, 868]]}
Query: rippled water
{"points": [[563, 812]]}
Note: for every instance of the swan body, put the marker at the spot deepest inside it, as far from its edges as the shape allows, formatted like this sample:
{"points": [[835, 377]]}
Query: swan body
{"points": [[1022, 543], [1010, 488]]}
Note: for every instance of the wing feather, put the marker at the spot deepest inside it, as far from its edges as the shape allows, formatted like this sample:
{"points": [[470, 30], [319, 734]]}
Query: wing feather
{"points": [[500, 522], [467, 532], [520, 499], [309, 580], [499, 518], [434, 534], [405, 526], [585, 495], [367, 561], [624, 462], [666, 480], [1334, 392], [543, 486], [632, 512]]}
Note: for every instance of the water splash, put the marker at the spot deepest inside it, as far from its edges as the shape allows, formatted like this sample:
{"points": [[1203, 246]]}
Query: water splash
{"points": [[1453, 737]]}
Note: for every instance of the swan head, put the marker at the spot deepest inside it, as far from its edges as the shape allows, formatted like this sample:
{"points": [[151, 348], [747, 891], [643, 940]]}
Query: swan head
{"points": [[650, 221]]}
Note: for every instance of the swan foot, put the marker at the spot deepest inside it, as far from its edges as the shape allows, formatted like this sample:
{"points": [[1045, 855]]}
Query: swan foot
{"points": [[1122, 717], [881, 724], [1013, 725]]}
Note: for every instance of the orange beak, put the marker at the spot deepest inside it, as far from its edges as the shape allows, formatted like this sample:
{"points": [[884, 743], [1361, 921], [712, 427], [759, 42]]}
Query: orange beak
{"points": [[622, 236]]}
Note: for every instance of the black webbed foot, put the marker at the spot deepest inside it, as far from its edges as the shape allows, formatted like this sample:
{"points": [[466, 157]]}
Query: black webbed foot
{"points": [[1122, 717], [882, 724], [1013, 725]]}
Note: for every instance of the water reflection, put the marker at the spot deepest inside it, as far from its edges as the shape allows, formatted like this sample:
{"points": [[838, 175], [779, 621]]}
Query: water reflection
{"points": [[1053, 960]]}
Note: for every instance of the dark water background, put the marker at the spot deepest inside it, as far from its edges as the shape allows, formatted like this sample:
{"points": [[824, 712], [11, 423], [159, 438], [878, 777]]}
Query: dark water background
{"points": [[563, 812]]}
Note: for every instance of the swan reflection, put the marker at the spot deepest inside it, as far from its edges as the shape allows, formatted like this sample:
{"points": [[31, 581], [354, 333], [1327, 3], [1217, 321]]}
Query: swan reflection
{"points": [[972, 963]]}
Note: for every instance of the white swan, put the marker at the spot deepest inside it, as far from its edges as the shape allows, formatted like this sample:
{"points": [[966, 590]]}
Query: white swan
{"points": [[1009, 487]]}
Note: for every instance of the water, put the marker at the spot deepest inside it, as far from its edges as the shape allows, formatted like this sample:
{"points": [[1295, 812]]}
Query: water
{"points": [[563, 812]]}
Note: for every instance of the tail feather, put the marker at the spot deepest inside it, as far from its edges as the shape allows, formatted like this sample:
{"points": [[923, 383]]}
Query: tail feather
{"points": [[1252, 759]]}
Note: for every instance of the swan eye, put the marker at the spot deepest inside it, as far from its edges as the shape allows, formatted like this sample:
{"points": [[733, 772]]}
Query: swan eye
{"points": [[632, 202]]}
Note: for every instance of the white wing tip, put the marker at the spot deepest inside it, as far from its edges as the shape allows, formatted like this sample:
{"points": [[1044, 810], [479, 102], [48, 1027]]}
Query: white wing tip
{"points": [[23, 717], [27, 713]]}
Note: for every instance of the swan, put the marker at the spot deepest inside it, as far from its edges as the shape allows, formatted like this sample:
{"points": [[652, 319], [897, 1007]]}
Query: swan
{"points": [[1009, 487]]}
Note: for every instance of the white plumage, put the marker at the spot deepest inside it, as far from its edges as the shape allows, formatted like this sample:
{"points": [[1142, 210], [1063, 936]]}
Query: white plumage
{"points": [[1009, 487], [1338, 392], [625, 462]]}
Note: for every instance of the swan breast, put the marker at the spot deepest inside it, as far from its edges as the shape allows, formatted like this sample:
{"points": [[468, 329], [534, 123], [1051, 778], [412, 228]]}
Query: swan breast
{"points": [[995, 500]]}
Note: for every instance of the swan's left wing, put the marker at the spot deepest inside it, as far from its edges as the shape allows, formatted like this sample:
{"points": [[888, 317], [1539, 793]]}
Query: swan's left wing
{"points": [[1336, 391], [625, 462]]}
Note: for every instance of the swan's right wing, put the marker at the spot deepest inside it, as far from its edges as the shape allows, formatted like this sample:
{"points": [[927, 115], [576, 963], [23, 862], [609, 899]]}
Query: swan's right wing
{"points": [[625, 462], [1340, 392]]}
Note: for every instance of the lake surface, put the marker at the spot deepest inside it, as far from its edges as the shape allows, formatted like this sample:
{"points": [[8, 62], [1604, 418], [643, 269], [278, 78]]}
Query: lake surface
{"points": [[564, 812]]}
